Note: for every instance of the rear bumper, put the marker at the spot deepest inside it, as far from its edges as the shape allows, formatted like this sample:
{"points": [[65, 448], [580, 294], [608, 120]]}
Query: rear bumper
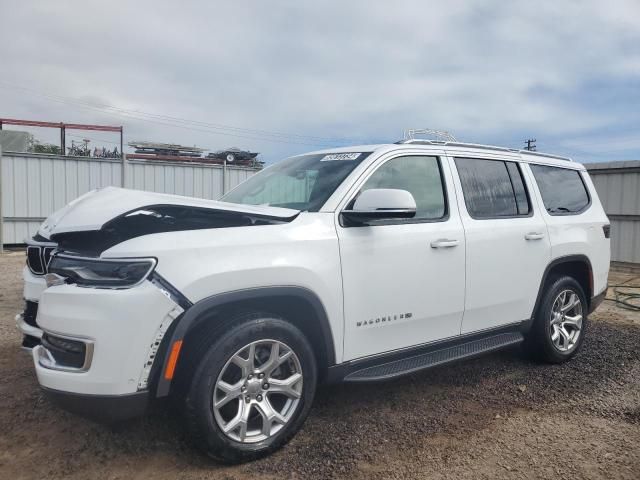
{"points": [[101, 408]]}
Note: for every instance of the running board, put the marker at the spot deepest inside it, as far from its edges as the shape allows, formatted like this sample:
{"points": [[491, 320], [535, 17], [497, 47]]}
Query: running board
{"points": [[423, 361]]}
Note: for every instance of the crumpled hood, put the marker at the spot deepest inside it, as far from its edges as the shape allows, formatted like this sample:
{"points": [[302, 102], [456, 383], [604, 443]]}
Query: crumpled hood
{"points": [[96, 208]]}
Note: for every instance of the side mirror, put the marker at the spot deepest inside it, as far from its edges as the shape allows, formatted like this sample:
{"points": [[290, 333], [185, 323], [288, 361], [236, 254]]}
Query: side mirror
{"points": [[380, 204]]}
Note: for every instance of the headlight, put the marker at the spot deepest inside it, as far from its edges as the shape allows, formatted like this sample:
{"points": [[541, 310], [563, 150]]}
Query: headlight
{"points": [[101, 272]]}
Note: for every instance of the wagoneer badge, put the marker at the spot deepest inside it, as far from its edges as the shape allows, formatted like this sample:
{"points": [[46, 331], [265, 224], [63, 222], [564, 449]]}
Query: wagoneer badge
{"points": [[384, 319]]}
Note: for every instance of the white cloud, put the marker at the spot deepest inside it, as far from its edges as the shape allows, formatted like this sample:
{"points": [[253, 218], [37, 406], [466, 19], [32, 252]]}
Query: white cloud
{"points": [[488, 71]]}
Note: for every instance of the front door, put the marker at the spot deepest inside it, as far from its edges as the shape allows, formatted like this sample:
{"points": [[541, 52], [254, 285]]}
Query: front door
{"points": [[403, 280]]}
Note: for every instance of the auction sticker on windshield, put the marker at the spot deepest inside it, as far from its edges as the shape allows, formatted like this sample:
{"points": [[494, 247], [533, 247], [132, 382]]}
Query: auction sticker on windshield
{"points": [[340, 156]]}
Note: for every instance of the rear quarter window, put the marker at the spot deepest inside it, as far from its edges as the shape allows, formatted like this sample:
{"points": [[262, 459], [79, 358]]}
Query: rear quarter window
{"points": [[563, 190]]}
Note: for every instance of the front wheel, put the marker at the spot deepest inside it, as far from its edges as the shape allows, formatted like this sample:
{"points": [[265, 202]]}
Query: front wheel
{"points": [[560, 322], [252, 390]]}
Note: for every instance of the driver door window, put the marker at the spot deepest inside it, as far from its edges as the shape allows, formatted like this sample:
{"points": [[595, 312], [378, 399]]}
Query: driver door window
{"points": [[419, 175]]}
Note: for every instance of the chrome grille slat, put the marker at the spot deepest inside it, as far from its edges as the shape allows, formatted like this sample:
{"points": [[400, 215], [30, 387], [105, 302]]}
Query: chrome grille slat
{"points": [[34, 260]]}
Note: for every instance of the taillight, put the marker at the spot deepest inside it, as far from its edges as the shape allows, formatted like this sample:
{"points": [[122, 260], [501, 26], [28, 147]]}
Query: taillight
{"points": [[607, 231]]}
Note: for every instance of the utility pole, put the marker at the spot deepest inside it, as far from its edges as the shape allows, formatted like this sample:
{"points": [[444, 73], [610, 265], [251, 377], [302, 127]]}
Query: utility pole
{"points": [[530, 144]]}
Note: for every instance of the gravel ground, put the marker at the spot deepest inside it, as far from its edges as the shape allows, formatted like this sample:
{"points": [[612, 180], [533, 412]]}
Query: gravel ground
{"points": [[499, 416]]}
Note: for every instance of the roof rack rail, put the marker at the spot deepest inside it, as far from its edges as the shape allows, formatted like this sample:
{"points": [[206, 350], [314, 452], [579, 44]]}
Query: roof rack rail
{"points": [[417, 141], [456, 144], [549, 155]]}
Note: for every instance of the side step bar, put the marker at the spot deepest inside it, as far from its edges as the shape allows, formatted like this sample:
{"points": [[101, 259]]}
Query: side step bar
{"points": [[461, 351]]}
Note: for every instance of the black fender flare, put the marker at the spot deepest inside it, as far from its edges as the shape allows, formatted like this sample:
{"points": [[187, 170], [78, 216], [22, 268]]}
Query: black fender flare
{"points": [[554, 263], [194, 312]]}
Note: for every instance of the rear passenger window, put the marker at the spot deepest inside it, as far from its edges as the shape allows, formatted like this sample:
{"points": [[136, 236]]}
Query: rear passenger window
{"points": [[492, 188], [563, 191]]}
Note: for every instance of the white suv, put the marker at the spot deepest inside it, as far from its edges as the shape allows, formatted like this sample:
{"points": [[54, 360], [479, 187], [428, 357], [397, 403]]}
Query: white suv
{"points": [[353, 264]]}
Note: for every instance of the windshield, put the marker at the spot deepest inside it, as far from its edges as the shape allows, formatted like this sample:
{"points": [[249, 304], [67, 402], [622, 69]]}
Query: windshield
{"points": [[302, 183]]}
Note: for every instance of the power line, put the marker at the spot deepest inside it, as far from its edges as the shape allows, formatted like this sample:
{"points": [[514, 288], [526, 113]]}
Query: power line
{"points": [[130, 112], [217, 129]]}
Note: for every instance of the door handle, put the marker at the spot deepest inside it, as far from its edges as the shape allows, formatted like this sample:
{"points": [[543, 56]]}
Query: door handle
{"points": [[534, 236], [444, 243]]}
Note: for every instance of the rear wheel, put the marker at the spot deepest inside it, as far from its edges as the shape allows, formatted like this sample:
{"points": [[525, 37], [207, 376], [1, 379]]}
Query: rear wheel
{"points": [[560, 321], [252, 390]]}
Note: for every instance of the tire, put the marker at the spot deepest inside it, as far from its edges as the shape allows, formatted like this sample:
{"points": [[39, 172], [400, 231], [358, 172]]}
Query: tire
{"points": [[261, 400], [553, 338]]}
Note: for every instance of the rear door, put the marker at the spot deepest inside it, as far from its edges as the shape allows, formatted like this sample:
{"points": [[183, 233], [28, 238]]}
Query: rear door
{"points": [[403, 280], [507, 241]]}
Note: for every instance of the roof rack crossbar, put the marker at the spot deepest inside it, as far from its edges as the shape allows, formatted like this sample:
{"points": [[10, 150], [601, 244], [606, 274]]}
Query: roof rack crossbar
{"points": [[441, 134]]}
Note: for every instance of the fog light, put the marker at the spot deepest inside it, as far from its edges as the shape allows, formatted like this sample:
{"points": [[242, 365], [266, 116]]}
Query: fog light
{"points": [[65, 353]]}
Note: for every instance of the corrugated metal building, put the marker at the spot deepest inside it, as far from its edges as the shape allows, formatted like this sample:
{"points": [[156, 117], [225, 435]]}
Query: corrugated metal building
{"points": [[618, 186], [32, 186]]}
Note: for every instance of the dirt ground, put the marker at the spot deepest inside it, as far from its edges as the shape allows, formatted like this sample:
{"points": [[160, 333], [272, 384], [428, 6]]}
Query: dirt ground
{"points": [[499, 416]]}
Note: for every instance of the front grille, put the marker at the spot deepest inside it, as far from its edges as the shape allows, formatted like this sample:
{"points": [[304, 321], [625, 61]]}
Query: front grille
{"points": [[38, 257], [34, 260], [30, 313]]}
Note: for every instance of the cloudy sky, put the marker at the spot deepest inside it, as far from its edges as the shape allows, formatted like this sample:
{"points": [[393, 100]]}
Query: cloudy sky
{"points": [[287, 77]]}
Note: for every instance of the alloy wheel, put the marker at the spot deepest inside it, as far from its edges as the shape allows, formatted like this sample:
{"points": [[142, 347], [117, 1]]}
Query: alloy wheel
{"points": [[257, 391], [566, 320]]}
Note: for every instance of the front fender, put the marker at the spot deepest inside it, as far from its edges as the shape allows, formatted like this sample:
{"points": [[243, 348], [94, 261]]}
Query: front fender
{"points": [[191, 316]]}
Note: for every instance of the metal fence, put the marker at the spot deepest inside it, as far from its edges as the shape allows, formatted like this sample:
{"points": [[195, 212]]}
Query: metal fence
{"points": [[32, 186], [618, 186]]}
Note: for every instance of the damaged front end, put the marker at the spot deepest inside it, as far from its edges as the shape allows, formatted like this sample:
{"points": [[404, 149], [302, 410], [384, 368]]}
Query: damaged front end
{"points": [[103, 218], [106, 315]]}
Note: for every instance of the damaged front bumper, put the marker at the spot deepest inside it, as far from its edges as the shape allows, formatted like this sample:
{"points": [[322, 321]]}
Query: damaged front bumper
{"points": [[100, 343]]}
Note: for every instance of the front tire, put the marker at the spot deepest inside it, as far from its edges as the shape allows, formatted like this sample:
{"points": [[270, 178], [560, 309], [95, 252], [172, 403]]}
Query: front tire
{"points": [[560, 322], [252, 389]]}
